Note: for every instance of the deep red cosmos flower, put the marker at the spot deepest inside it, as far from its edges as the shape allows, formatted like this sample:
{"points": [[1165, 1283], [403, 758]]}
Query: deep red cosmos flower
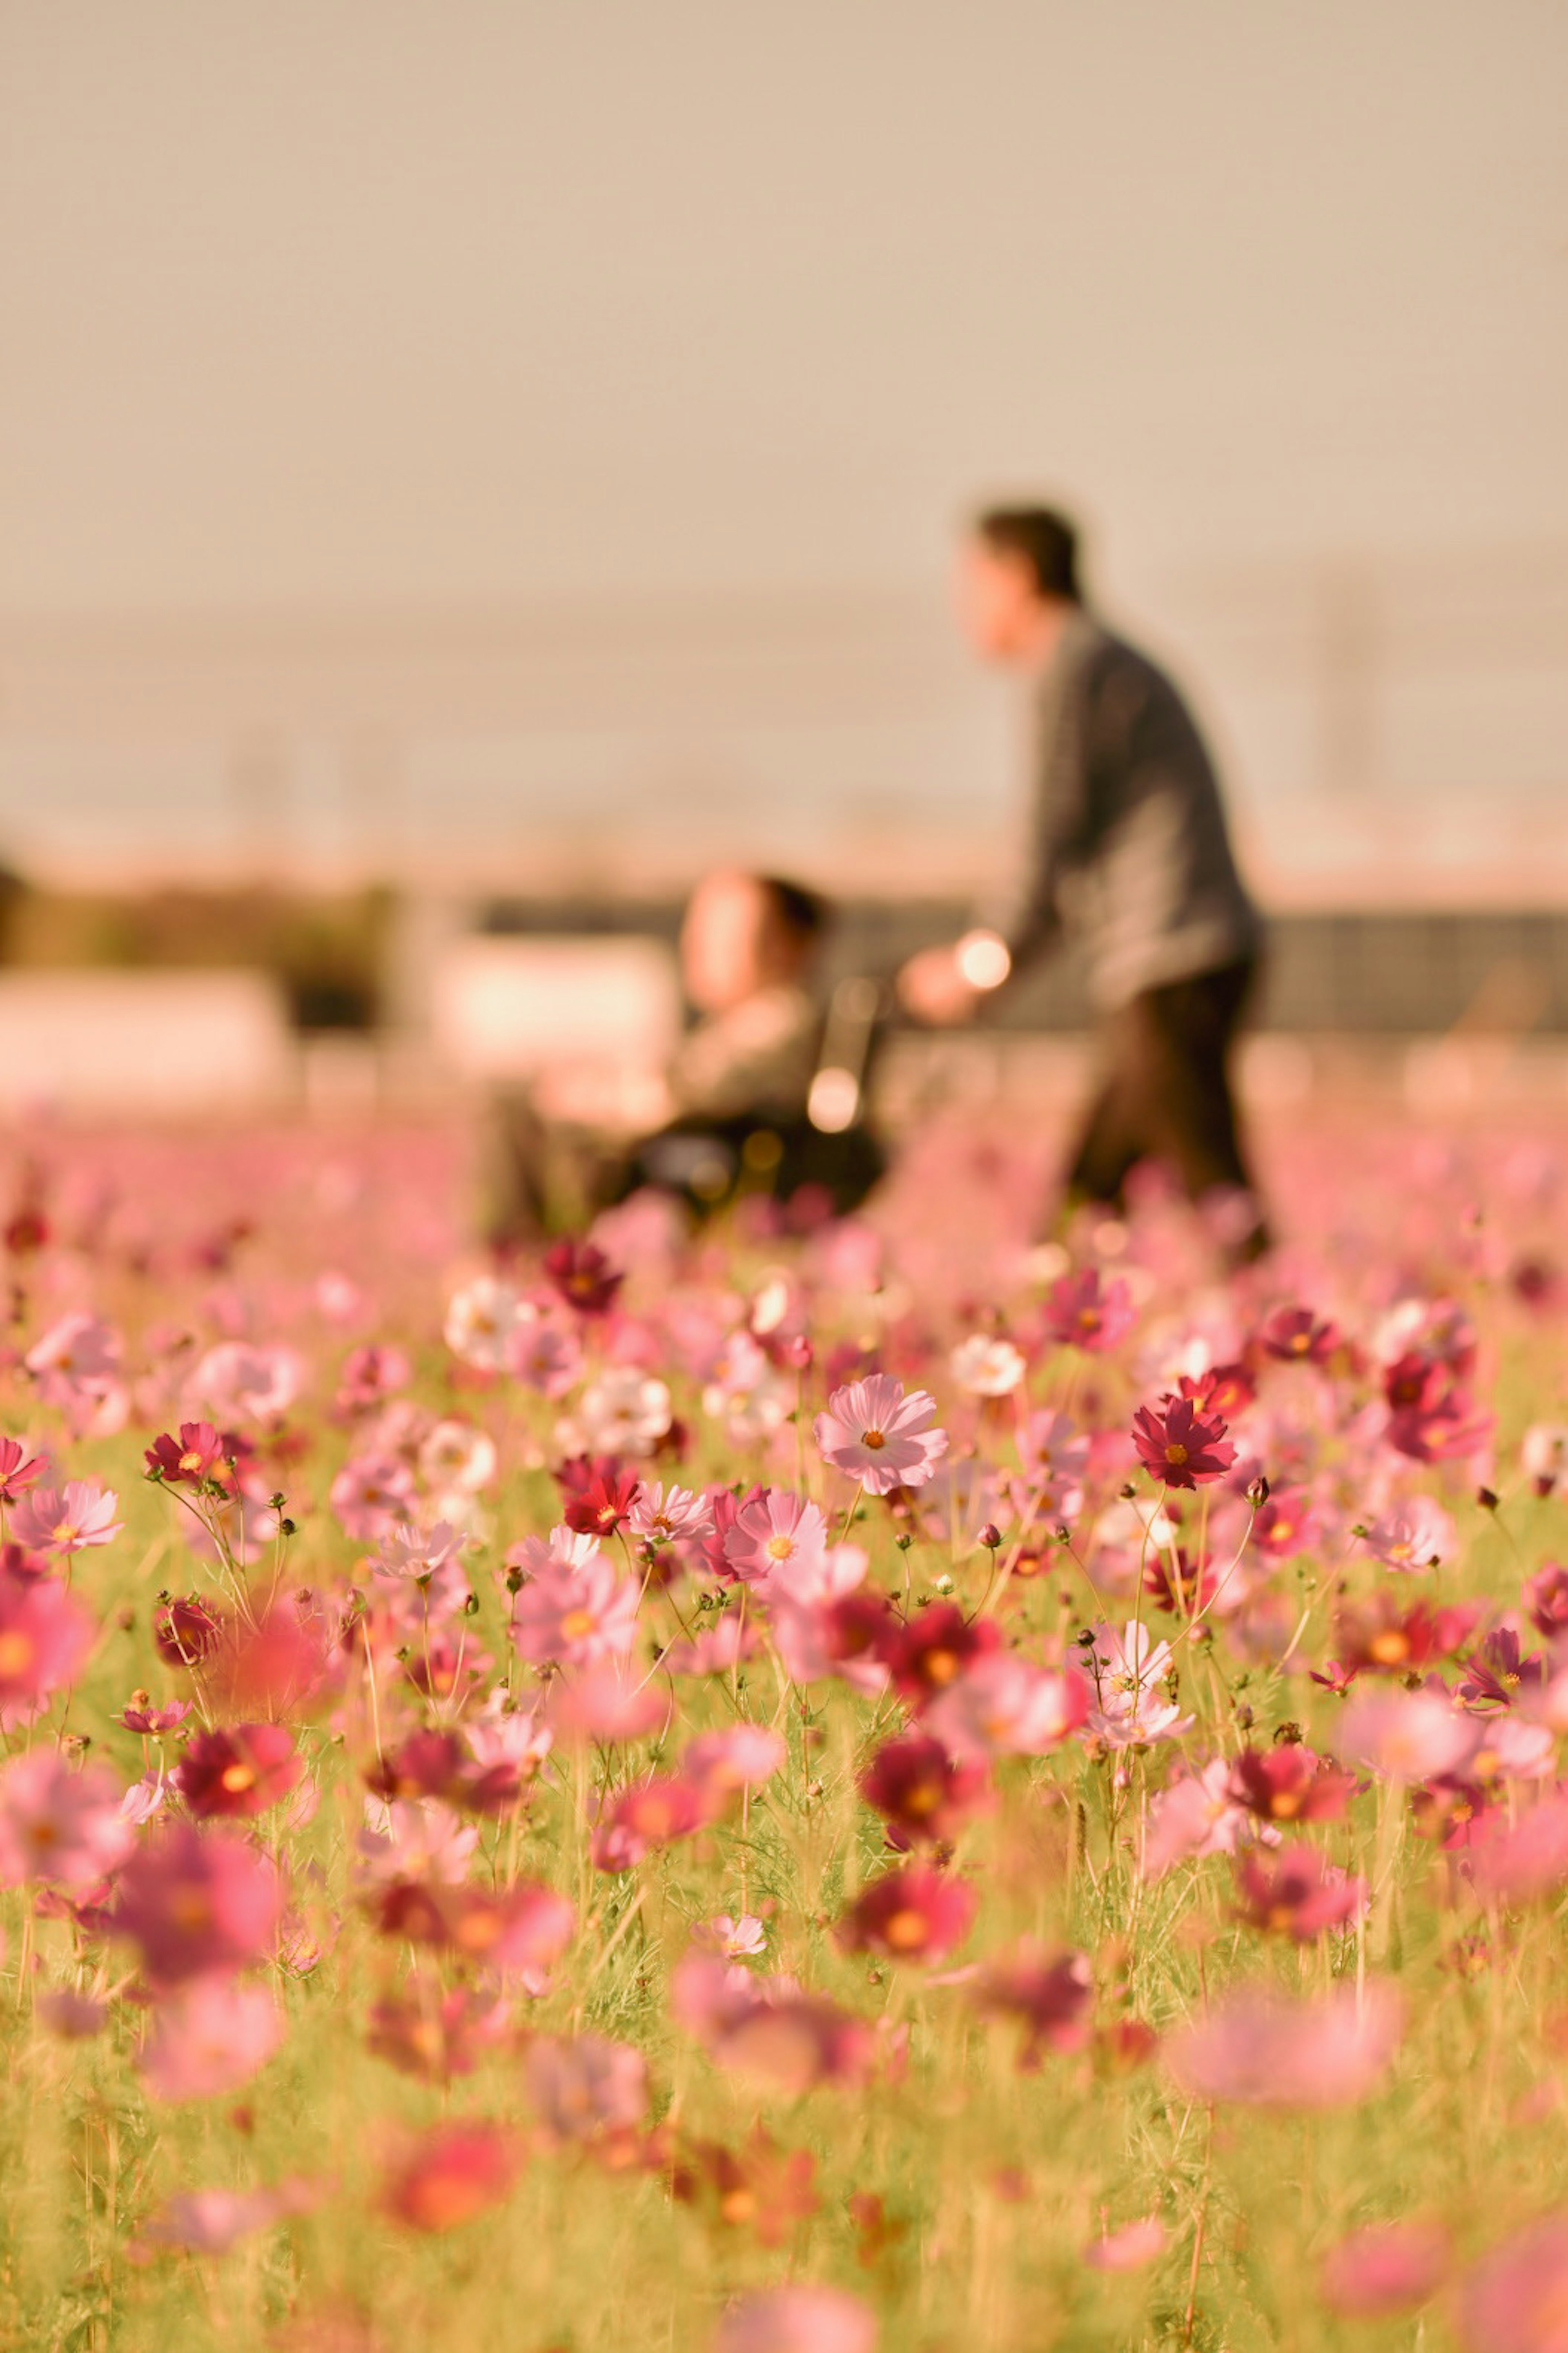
{"points": [[583, 1275], [1179, 1445]]}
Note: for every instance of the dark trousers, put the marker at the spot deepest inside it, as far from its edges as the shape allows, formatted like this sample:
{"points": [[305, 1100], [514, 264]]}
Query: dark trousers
{"points": [[1166, 1094]]}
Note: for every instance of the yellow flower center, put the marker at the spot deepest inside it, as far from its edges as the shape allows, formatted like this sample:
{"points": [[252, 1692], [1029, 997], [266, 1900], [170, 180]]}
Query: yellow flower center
{"points": [[874, 1439], [906, 1931], [1176, 1454], [577, 1623]]}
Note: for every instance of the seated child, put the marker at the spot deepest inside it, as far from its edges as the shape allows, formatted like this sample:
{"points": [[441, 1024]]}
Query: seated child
{"points": [[728, 1113]]}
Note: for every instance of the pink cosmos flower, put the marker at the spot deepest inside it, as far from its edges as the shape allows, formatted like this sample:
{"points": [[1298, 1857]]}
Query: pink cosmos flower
{"points": [[1050, 1997], [1128, 2249], [1181, 1446], [918, 1913], [1296, 1893], [608, 1700], [576, 1616], [1082, 1311], [767, 2028], [422, 1839], [197, 1901], [1259, 2049], [371, 1494], [1385, 2269], [1001, 1706], [59, 1824], [210, 2221], [1515, 2300], [545, 1357], [1527, 1859], [1406, 1736], [1199, 1815], [44, 1637], [874, 1432], [455, 2172], [651, 1813], [209, 2039], [583, 2084], [68, 1519], [737, 1756], [779, 1538], [797, 2320]]}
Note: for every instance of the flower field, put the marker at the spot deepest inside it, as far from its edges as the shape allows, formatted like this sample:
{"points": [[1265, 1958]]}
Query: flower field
{"points": [[817, 1787]]}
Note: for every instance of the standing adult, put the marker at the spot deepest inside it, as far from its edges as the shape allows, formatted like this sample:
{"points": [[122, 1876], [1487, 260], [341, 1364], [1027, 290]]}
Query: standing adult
{"points": [[1124, 846]]}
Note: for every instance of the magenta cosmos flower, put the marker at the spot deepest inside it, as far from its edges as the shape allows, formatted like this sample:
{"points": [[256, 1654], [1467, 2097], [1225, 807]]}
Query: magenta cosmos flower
{"points": [[44, 1637], [1180, 1446], [918, 1913], [1515, 2300], [877, 1433]]}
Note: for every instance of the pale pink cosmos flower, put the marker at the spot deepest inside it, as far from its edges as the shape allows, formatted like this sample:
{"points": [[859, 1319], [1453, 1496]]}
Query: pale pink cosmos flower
{"points": [[1386, 2268], [1406, 1736], [986, 1364], [1003, 1705], [59, 1824], [1055, 1457], [456, 1458], [1193, 1817], [572, 1617], [68, 1519], [781, 1538], [736, 1756], [209, 2039], [483, 1320], [210, 2221], [671, 1515], [239, 1381], [563, 1548], [544, 1355], [585, 2084], [1260, 2048], [745, 1391], [877, 1433], [623, 1410], [609, 1700], [77, 1356], [1132, 1708], [1415, 1534], [416, 1838], [409, 1551], [797, 2320], [1515, 2300], [735, 1939]]}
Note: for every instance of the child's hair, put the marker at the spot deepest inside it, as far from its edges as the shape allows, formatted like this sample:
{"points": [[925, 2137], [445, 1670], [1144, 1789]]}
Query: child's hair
{"points": [[801, 913]]}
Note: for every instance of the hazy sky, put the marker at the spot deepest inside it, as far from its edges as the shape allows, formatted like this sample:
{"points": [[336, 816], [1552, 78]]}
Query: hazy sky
{"points": [[449, 301]]}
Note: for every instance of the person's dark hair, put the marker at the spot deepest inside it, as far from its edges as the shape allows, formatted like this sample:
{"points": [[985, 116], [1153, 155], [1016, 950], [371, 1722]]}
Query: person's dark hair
{"points": [[1047, 542], [802, 912]]}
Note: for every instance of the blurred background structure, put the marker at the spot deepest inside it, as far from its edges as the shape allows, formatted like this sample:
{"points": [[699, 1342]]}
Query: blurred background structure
{"points": [[463, 470]]}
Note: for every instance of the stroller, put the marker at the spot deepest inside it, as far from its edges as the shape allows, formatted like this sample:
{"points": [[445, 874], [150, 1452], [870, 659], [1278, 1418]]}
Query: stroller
{"points": [[831, 1153]]}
